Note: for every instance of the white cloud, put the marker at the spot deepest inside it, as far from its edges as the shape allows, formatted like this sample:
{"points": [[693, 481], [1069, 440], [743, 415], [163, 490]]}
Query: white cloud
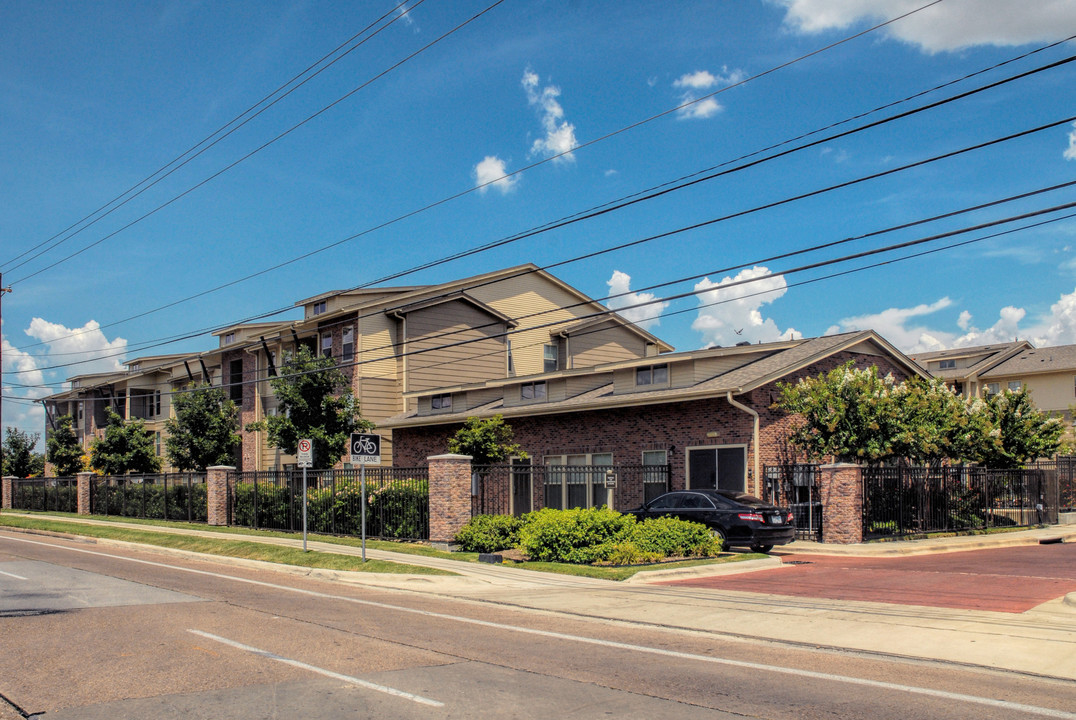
{"points": [[1070, 151], [491, 172], [893, 325], [631, 305], [695, 83], [559, 138], [728, 315], [62, 346], [964, 321], [947, 26]]}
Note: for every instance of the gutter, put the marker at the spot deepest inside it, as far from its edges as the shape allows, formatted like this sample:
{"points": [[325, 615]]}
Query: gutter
{"points": [[754, 415]]}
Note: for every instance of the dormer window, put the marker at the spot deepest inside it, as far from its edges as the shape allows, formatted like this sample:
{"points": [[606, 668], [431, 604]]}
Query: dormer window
{"points": [[229, 338], [947, 364], [652, 375], [532, 390], [441, 402], [549, 358], [320, 307], [134, 367]]}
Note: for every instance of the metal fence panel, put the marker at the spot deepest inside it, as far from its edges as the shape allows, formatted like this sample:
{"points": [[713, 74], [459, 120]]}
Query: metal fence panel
{"points": [[795, 486], [45, 494], [159, 496]]}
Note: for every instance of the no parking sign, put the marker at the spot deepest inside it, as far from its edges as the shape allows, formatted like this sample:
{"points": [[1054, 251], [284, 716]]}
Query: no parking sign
{"points": [[306, 453]]}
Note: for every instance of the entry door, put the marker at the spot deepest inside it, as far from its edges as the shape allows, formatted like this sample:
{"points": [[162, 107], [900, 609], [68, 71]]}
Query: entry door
{"points": [[717, 468]]}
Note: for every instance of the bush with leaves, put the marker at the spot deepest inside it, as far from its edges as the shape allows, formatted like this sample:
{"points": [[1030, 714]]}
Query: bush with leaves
{"points": [[673, 537], [17, 456], [400, 510], [579, 535], [488, 441], [489, 533]]}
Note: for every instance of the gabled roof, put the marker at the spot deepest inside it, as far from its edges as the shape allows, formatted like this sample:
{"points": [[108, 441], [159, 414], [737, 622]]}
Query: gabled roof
{"points": [[1059, 358], [764, 364], [452, 297], [992, 356]]}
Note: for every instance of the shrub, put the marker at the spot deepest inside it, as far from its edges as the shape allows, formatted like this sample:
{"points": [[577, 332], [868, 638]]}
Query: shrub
{"points": [[672, 537], [400, 509], [573, 536], [489, 533], [628, 553]]}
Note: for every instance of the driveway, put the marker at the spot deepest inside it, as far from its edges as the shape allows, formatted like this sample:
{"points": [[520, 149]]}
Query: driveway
{"points": [[1011, 580]]}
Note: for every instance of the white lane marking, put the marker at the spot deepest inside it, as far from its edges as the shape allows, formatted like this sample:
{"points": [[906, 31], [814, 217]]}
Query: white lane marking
{"points": [[320, 671], [912, 689], [17, 577]]}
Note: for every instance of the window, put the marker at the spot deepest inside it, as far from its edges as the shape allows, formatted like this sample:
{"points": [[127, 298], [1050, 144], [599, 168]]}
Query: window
{"points": [[235, 380], [134, 367], [511, 365], [549, 358], [157, 403], [347, 344], [441, 402], [992, 389], [229, 338], [532, 390], [320, 307], [573, 481], [1015, 386], [652, 375], [717, 468], [655, 473], [327, 345], [946, 364], [157, 442]]}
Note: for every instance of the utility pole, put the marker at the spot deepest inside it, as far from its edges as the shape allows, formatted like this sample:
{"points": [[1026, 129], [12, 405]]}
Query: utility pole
{"points": [[2, 291]]}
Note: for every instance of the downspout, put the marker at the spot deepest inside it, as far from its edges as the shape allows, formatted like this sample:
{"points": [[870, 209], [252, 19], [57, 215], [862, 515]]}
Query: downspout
{"points": [[754, 415]]}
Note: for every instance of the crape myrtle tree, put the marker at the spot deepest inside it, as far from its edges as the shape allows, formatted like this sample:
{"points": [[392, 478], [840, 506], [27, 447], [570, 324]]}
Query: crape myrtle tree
{"points": [[315, 402], [127, 447], [17, 456], [204, 431], [64, 450], [856, 415], [488, 441]]}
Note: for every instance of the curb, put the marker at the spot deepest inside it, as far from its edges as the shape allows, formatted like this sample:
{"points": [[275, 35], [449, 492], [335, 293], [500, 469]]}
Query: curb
{"points": [[746, 566]]}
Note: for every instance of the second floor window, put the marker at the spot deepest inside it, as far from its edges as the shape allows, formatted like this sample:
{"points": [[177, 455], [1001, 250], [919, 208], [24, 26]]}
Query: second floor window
{"points": [[327, 345], [235, 380], [347, 344], [441, 402], [320, 307], [653, 375], [946, 364], [229, 338], [549, 358], [532, 390]]}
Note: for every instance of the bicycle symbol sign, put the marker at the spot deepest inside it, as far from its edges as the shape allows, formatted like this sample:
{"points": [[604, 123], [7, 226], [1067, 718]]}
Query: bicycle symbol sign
{"points": [[366, 448]]}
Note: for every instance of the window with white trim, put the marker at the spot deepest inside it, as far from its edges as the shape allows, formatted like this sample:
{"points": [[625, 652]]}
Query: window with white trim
{"points": [[947, 364], [320, 307], [652, 375], [327, 345], [1015, 386], [347, 344], [441, 402], [532, 390], [992, 389], [577, 480], [549, 358], [229, 338]]}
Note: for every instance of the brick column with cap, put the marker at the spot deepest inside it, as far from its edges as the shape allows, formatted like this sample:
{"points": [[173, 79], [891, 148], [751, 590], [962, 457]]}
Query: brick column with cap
{"points": [[841, 488], [216, 485], [450, 495], [85, 479]]}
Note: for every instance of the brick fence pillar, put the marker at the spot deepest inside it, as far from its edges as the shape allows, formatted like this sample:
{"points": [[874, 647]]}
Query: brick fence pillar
{"points": [[85, 479], [841, 488], [7, 496], [450, 495], [216, 485]]}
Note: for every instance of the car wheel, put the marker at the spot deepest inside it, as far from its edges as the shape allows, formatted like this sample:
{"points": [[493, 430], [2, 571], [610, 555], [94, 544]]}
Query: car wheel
{"points": [[761, 548], [719, 534]]}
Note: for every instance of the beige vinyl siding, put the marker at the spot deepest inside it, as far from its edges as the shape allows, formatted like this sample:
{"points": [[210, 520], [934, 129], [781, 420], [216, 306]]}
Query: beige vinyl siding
{"points": [[375, 356], [520, 297], [379, 398], [604, 343], [439, 330], [585, 383], [475, 398], [1051, 392], [706, 368], [868, 348]]}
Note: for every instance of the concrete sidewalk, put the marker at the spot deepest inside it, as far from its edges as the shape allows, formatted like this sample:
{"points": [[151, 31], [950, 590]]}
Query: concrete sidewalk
{"points": [[1040, 642]]}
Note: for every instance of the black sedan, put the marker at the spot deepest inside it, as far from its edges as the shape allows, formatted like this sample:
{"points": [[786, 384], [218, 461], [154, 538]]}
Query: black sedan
{"points": [[737, 518]]}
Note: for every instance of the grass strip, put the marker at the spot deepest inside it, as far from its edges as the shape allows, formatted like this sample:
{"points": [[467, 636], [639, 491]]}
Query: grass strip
{"points": [[226, 548]]}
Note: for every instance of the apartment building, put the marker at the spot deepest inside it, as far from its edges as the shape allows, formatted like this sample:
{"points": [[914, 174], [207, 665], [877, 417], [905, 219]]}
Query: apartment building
{"points": [[390, 342]]}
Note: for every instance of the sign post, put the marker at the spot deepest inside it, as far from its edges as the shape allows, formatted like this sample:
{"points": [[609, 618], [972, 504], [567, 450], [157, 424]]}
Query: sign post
{"points": [[365, 449], [610, 485], [305, 449]]}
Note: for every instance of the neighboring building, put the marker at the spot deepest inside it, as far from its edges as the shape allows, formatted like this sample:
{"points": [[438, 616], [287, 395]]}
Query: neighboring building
{"points": [[963, 368], [391, 342], [1048, 373], [707, 414]]}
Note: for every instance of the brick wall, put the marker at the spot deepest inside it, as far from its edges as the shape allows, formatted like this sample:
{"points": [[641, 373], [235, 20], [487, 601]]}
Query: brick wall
{"points": [[841, 489], [450, 495]]}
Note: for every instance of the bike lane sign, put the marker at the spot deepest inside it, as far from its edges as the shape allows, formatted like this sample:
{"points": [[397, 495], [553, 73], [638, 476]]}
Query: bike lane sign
{"points": [[366, 448]]}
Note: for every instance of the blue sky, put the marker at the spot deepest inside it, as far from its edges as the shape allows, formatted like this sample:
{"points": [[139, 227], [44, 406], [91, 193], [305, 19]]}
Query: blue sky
{"points": [[96, 97]]}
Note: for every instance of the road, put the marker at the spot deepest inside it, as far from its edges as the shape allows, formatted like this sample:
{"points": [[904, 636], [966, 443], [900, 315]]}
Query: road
{"points": [[92, 631]]}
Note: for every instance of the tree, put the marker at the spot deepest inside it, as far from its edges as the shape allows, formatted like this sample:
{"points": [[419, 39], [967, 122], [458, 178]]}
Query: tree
{"points": [[487, 441], [126, 447], [18, 456], [310, 407], [204, 431], [935, 424], [64, 450], [1019, 433]]}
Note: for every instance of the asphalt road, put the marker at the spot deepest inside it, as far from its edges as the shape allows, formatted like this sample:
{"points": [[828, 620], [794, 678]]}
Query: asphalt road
{"points": [[93, 632], [1011, 580]]}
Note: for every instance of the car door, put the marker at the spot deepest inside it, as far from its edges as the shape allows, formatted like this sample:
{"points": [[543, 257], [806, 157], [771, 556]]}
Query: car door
{"points": [[696, 508]]}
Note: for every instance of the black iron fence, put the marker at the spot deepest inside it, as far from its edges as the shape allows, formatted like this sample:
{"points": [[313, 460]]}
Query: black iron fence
{"points": [[161, 496], [397, 501], [914, 500], [45, 494], [521, 487], [1065, 467], [795, 486]]}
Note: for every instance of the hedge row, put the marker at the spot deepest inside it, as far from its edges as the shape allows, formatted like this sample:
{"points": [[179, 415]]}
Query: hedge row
{"points": [[596, 535]]}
